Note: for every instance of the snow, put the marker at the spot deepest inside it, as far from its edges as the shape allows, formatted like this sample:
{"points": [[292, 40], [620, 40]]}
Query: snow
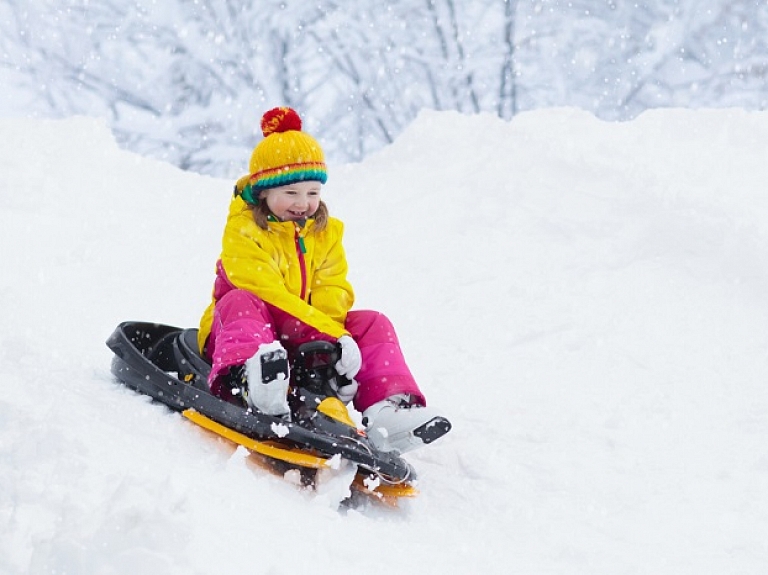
{"points": [[585, 300]]}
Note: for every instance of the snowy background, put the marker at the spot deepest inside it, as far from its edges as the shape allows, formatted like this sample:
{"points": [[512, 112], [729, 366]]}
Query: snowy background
{"points": [[187, 82], [585, 300]]}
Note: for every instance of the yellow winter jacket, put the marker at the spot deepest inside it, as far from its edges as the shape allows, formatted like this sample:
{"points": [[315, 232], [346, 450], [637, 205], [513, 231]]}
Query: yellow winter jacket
{"points": [[294, 270]]}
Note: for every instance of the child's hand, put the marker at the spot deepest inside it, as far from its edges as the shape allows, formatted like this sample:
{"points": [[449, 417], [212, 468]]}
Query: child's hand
{"points": [[345, 392], [351, 360]]}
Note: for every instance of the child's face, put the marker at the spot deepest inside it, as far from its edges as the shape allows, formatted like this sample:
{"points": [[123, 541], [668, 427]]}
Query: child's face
{"points": [[293, 202]]}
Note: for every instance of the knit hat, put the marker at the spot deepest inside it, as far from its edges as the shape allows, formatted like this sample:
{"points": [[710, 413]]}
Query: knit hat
{"points": [[285, 156]]}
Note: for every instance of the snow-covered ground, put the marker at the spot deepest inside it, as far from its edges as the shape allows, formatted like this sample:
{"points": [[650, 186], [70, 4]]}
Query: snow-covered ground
{"points": [[585, 300]]}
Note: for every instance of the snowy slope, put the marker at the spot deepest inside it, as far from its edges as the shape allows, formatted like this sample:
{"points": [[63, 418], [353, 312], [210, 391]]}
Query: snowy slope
{"points": [[585, 300]]}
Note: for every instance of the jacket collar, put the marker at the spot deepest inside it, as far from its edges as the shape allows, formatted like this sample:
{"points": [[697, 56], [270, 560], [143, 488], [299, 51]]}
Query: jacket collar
{"points": [[290, 225]]}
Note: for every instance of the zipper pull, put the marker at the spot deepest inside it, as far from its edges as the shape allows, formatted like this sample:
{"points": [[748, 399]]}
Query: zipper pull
{"points": [[300, 240]]}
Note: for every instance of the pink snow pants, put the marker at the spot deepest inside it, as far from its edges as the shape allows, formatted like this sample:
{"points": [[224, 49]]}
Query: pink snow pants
{"points": [[242, 322]]}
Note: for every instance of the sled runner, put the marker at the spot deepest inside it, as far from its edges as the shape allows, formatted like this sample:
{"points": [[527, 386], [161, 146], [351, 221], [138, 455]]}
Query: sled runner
{"points": [[162, 362]]}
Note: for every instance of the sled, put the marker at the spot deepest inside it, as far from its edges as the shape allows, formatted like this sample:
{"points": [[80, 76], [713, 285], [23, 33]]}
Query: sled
{"points": [[163, 362]]}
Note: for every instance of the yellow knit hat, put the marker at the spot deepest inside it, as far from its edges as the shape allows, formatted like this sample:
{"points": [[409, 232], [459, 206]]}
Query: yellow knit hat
{"points": [[285, 156]]}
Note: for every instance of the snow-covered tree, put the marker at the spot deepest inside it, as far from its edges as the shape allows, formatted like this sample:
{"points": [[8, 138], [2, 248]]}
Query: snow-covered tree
{"points": [[187, 81]]}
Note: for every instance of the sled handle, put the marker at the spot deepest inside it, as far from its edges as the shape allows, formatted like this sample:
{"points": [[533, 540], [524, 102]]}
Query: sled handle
{"points": [[317, 376], [320, 347]]}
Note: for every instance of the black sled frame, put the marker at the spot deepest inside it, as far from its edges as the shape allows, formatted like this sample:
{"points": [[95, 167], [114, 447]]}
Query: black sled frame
{"points": [[162, 361]]}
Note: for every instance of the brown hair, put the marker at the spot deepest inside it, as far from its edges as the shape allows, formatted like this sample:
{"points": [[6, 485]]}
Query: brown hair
{"points": [[261, 215]]}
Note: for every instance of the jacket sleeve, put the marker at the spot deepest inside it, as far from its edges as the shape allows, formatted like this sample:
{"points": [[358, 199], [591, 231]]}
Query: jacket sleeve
{"points": [[249, 263]]}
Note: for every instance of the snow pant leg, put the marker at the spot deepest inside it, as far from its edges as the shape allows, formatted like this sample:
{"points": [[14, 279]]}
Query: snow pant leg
{"points": [[384, 371], [241, 323]]}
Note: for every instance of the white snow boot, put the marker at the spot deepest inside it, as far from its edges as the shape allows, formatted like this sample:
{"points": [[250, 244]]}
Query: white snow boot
{"points": [[396, 424], [267, 376]]}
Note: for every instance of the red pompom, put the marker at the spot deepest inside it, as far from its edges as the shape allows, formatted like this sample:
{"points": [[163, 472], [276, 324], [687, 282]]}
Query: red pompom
{"points": [[280, 120]]}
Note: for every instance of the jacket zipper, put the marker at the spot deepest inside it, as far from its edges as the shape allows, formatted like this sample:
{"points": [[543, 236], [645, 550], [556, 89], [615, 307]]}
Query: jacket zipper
{"points": [[301, 249]]}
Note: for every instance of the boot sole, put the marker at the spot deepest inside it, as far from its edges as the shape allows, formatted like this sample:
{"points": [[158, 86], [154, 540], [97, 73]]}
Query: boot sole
{"points": [[433, 429], [274, 363]]}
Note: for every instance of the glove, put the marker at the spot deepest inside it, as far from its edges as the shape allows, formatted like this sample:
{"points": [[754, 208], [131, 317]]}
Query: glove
{"points": [[345, 389], [351, 360]]}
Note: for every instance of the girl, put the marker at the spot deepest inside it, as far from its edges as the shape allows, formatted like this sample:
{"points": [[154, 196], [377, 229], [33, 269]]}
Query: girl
{"points": [[281, 281]]}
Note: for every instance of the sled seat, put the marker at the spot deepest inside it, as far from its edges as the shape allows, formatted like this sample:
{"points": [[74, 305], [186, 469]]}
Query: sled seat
{"points": [[153, 341], [192, 367]]}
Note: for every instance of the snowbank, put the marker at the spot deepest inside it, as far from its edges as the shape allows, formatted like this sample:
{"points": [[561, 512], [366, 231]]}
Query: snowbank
{"points": [[585, 300]]}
